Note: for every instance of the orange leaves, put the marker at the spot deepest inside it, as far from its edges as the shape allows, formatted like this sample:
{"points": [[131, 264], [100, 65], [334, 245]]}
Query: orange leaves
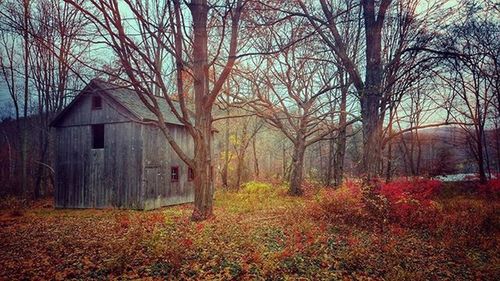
{"points": [[258, 235]]}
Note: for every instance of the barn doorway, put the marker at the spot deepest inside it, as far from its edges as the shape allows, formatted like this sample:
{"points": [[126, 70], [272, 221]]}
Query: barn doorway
{"points": [[152, 176]]}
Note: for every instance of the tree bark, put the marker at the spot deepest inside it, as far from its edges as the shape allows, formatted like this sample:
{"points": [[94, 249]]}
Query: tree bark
{"points": [[341, 139], [203, 181], [226, 153], [331, 161], [255, 159], [480, 155], [297, 167], [371, 94], [24, 129]]}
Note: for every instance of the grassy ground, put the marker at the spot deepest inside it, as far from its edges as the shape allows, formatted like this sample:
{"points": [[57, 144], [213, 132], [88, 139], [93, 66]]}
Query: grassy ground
{"points": [[258, 233]]}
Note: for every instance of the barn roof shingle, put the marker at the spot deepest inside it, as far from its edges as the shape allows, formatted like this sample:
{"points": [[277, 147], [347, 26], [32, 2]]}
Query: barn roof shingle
{"points": [[129, 99]]}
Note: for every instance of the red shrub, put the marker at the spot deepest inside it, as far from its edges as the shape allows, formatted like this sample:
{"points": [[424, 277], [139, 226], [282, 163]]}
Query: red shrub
{"points": [[410, 202], [491, 189], [418, 189]]}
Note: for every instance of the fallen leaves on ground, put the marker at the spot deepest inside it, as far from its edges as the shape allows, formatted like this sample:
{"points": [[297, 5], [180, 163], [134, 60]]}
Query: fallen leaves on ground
{"points": [[259, 233]]}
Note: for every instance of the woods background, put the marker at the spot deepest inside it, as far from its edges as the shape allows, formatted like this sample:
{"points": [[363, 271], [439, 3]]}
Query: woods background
{"points": [[315, 91]]}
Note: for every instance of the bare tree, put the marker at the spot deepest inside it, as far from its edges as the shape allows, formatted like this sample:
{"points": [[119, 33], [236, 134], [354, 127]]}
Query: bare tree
{"points": [[143, 33], [472, 76], [288, 90], [375, 22], [57, 31], [15, 23]]}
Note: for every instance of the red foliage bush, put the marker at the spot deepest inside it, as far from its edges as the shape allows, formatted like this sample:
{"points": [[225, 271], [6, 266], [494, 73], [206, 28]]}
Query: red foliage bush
{"points": [[411, 202], [491, 189], [418, 189]]}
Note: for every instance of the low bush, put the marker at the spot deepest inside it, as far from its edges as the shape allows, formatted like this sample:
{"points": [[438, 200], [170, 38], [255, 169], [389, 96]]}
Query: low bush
{"points": [[14, 205], [418, 189], [342, 205], [411, 202], [490, 190], [256, 187]]}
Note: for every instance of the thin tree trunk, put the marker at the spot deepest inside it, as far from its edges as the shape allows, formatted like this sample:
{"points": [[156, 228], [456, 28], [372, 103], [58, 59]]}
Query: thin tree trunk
{"points": [[497, 141], [341, 139], [255, 159], [331, 161], [487, 156], [284, 161], [9, 153], [480, 156], [24, 129], [226, 153]]}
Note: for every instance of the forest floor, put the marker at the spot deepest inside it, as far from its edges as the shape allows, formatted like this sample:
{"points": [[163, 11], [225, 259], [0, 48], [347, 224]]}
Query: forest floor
{"points": [[260, 233]]}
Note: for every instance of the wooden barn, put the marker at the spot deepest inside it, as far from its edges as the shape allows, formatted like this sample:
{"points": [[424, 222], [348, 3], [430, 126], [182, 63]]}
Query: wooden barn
{"points": [[107, 156]]}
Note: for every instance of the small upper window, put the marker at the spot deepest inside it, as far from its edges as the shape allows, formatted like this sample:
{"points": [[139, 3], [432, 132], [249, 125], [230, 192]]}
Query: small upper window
{"points": [[98, 136], [96, 102], [190, 174], [174, 174]]}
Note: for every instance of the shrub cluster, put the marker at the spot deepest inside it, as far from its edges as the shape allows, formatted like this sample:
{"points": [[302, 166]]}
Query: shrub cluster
{"points": [[410, 204]]}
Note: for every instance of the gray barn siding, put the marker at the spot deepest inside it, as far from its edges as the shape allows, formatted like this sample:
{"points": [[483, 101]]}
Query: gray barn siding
{"points": [[98, 178], [159, 157], [82, 113], [123, 164], [133, 169]]}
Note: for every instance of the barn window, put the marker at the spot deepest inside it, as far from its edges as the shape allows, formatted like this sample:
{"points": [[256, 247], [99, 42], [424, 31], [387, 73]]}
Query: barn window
{"points": [[96, 102], [98, 136], [190, 174], [174, 174]]}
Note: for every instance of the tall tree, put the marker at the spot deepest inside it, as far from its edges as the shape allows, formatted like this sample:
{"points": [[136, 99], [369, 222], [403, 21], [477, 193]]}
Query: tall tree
{"points": [[471, 74], [289, 91], [162, 25], [369, 67]]}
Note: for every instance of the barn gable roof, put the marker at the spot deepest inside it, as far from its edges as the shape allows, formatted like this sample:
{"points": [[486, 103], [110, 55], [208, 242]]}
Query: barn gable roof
{"points": [[127, 98]]}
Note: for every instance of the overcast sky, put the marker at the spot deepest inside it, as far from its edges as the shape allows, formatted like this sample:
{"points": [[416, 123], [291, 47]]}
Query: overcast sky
{"points": [[4, 98]]}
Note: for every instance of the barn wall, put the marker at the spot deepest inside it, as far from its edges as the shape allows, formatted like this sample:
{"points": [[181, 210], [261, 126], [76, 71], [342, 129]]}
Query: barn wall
{"points": [[159, 157], [99, 178], [82, 114]]}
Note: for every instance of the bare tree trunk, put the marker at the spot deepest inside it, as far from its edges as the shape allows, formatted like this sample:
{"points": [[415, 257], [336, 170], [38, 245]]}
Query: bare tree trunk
{"points": [[284, 161], [24, 129], [497, 142], [9, 153], [255, 159], [388, 171], [342, 138], [372, 91], [296, 174], [419, 154], [480, 155], [203, 181], [331, 161], [244, 141], [226, 153]]}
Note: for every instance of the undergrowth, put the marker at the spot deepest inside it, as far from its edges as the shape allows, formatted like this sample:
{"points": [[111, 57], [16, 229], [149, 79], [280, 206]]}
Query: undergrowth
{"points": [[261, 233]]}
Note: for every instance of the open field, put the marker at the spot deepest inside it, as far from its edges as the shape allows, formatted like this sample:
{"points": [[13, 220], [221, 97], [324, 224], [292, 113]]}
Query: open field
{"points": [[261, 233]]}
